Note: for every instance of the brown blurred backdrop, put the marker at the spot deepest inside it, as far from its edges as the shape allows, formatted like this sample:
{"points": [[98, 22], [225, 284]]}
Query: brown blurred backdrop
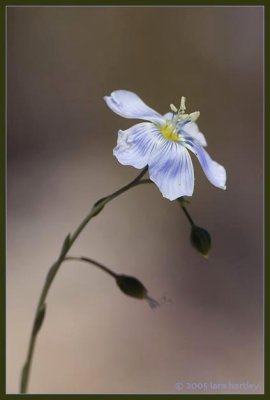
{"points": [[61, 62]]}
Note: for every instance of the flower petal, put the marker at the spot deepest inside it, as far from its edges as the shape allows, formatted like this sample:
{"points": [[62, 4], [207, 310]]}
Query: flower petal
{"points": [[129, 105], [192, 129], [168, 116], [135, 144], [215, 172], [170, 167]]}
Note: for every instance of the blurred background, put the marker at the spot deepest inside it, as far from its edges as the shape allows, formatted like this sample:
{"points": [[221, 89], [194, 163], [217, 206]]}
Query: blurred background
{"points": [[61, 61]]}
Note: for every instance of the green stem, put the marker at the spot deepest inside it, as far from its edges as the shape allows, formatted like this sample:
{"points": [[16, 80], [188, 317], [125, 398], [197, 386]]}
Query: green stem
{"points": [[98, 206], [94, 262], [181, 201], [40, 311]]}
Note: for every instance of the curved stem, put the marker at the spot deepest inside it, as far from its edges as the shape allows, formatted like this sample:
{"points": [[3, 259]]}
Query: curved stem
{"points": [[187, 215], [181, 201], [40, 311], [94, 262], [102, 202]]}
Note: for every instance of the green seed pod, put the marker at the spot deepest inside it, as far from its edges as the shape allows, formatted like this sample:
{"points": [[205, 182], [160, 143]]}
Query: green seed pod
{"points": [[131, 286], [201, 240]]}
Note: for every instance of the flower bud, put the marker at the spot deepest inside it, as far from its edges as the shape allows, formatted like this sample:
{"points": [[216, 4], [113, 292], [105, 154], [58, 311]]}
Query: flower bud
{"points": [[134, 288], [131, 286], [201, 240]]}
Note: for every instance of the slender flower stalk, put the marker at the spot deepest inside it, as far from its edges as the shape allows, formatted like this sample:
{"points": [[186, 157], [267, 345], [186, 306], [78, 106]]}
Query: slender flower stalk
{"points": [[68, 242], [200, 238], [93, 262], [182, 202], [127, 284]]}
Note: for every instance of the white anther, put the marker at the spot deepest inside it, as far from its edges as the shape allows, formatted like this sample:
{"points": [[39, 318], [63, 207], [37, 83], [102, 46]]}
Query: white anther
{"points": [[182, 108], [173, 108], [194, 116]]}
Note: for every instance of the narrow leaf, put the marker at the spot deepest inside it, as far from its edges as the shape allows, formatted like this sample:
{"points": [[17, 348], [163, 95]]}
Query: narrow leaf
{"points": [[65, 245], [39, 318], [51, 272], [97, 208]]}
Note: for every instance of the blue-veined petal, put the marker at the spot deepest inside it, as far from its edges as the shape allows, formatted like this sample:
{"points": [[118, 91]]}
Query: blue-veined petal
{"points": [[215, 172], [192, 129], [170, 167], [129, 105], [135, 144]]}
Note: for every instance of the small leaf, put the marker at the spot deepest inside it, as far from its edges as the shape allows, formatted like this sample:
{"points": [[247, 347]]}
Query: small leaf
{"points": [[97, 208], [51, 272], [65, 245], [39, 319]]}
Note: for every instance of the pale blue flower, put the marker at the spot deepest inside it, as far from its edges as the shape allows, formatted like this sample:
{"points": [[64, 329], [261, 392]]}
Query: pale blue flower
{"points": [[162, 144]]}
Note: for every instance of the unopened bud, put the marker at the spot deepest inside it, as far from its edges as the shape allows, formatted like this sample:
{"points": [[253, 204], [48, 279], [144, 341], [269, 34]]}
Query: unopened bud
{"points": [[201, 240], [134, 288], [131, 286]]}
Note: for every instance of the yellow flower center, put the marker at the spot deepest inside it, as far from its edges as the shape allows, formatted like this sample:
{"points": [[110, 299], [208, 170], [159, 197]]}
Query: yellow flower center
{"points": [[179, 116], [169, 132]]}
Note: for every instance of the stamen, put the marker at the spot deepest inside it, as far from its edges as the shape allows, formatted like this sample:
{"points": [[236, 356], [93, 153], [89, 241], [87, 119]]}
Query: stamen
{"points": [[182, 108], [173, 108], [181, 112], [194, 116]]}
